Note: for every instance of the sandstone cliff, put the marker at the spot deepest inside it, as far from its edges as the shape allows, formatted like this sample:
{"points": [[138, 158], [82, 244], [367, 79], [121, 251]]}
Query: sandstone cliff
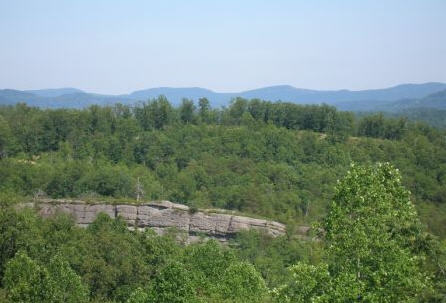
{"points": [[160, 216]]}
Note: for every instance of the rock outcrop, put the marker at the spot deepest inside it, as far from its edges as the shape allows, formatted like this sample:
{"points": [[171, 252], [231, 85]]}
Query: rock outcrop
{"points": [[161, 216]]}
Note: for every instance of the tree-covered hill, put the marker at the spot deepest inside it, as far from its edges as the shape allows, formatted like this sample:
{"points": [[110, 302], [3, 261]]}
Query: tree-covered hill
{"points": [[432, 116], [436, 100], [277, 160]]}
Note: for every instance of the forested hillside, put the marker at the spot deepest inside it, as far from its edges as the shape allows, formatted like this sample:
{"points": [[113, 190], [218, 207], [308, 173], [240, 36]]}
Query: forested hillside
{"points": [[432, 116], [276, 160]]}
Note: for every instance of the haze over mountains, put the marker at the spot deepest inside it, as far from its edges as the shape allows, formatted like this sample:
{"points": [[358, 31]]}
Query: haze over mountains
{"points": [[404, 96]]}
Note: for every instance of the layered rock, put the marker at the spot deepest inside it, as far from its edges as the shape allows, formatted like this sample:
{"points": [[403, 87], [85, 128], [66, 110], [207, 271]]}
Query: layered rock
{"points": [[161, 216]]}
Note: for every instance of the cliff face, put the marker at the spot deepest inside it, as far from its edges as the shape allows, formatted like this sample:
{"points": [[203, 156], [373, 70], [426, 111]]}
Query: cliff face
{"points": [[161, 216]]}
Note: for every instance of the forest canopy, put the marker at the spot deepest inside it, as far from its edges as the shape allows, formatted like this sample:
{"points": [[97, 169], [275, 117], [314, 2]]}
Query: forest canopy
{"points": [[276, 160]]}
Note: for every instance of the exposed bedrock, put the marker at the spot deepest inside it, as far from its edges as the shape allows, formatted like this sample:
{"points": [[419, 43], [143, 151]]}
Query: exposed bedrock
{"points": [[162, 215]]}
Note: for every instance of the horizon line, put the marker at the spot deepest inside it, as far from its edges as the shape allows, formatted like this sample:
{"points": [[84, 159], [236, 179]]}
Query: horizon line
{"points": [[224, 92]]}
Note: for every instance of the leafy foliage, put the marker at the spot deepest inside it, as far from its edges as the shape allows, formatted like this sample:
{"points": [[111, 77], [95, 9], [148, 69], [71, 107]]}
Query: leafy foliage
{"points": [[375, 249], [52, 260], [25, 280], [275, 160]]}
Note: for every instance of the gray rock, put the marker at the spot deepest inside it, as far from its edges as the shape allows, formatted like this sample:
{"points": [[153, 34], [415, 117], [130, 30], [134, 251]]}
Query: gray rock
{"points": [[212, 224], [161, 216], [128, 212]]}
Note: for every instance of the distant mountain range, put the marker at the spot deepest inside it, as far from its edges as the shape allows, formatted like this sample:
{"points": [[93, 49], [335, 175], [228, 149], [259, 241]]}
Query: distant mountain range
{"points": [[436, 100], [404, 96]]}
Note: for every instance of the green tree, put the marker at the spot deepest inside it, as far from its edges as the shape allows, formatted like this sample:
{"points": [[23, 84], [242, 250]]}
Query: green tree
{"points": [[187, 111], [154, 114], [5, 138], [241, 282], [138, 296], [203, 109], [18, 230], [173, 284], [64, 284], [25, 280], [309, 284], [372, 231], [163, 113], [373, 238], [110, 259], [236, 109]]}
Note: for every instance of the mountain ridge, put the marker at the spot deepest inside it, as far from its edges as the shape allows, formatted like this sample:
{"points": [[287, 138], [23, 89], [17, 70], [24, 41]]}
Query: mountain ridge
{"points": [[355, 100]]}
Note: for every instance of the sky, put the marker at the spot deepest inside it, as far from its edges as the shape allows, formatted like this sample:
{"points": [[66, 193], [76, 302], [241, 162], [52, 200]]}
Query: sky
{"points": [[116, 47]]}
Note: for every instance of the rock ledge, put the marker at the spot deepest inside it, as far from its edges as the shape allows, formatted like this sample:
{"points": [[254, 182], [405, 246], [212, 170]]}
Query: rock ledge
{"points": [[160, 216]]}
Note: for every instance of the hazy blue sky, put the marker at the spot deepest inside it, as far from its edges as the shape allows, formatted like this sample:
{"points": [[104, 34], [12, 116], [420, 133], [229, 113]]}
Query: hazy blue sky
{"points": [[118, 46]]}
